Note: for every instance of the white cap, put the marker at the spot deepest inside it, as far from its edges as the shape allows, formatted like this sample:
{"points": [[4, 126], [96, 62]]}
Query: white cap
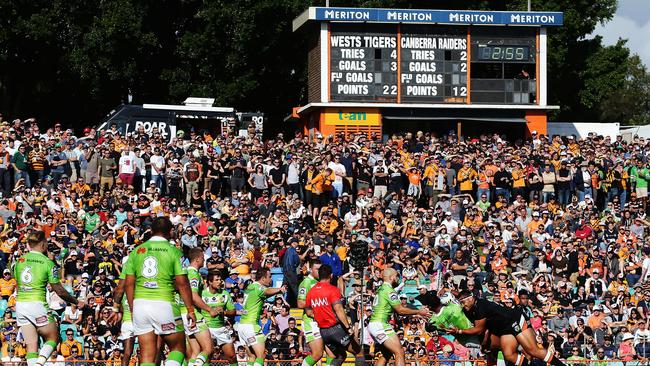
{"points": [[627, 336]]}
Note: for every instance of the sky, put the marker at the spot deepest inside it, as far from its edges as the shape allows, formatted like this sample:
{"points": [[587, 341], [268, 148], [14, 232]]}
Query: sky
{"points": [[631, 22]]}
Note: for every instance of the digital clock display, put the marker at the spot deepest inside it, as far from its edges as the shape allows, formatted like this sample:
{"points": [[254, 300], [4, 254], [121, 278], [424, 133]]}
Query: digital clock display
{"points": [[503, 53]]}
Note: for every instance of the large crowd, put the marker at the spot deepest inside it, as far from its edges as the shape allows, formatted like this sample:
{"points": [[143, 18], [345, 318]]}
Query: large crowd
{"points": [[554, 225]]}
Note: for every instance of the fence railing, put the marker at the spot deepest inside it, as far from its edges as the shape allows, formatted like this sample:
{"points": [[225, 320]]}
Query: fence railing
{"points": [[425, 361]]}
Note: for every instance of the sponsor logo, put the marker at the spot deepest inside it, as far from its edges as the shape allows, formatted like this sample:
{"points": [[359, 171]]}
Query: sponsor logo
{"points": [[250, 340], [168, 326], [142, 250], [321, 301], [41, 319], [303, 291], [21, 260], [381, 336], [393, 297], [152, 284]]}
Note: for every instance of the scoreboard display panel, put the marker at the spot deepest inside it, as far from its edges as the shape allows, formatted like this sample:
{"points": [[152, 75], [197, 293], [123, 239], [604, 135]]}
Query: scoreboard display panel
{"points": [[433, 64], [425, 63]]}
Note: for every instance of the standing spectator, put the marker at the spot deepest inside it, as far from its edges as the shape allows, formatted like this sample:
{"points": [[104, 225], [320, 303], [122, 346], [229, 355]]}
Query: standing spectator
{"points": [[20, 164]]}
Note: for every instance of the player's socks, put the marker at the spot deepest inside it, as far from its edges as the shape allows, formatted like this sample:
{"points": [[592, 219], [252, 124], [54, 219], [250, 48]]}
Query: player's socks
{"points": [[328, 360], [521, 360], [45, 352], [175, 358], [259, 362], [200, 359], [250, 363], [233, 364], [359, 361], [148, 364], [308, 361], [31, 358], [337, 362], [554, 361], [190, 362]]}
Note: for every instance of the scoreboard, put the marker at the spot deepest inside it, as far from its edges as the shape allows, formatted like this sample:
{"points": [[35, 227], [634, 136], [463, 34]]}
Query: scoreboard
{"points": [[372, 63]]}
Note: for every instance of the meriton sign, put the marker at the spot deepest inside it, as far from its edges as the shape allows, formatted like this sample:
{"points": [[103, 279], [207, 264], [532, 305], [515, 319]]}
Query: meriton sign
{"points": [[437, 16]]}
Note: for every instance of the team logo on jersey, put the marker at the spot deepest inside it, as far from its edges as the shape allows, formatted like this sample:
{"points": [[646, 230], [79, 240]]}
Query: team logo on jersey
{"points": [[393, 296], [168, 326], [141, 250], [381, 336], [194, 283], [251, 340], [303, 291]]}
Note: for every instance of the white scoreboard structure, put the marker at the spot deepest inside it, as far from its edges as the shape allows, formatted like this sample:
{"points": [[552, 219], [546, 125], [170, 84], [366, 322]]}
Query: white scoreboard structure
{"points": [[396, 70]]}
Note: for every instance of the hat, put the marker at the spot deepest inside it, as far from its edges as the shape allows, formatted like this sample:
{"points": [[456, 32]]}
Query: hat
{"points": [[233, 271], [6, 271], [84, 275], [447, 348], [448, 213], [627, 336], [73, 252], [596, 270], [422, 287]]}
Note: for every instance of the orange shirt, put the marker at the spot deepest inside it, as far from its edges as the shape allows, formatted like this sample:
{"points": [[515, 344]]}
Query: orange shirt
{"points": [[7, 286], [414, 178]]}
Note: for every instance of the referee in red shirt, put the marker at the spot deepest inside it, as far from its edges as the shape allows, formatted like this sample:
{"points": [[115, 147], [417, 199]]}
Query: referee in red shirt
{"points": [[324, 304]]}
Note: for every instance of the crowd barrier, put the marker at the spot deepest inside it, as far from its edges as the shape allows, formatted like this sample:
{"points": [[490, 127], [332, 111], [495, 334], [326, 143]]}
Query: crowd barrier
{"points": [[297, 362]]}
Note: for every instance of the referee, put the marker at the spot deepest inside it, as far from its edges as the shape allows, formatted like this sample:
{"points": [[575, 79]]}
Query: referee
{"points": [[324, 305]]}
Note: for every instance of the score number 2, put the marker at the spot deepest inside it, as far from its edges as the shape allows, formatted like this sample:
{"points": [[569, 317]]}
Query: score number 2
{"points": [[389, 89]]}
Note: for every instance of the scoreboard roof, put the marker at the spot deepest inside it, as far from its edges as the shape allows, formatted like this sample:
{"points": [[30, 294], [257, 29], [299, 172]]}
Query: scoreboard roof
{"points": [[461, 17]]}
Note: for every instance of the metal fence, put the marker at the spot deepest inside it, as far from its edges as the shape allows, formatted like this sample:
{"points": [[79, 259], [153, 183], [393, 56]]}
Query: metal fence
{"points": [[420, 362]]}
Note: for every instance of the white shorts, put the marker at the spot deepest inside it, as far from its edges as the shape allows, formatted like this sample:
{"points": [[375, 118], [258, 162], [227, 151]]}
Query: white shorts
{"points": [[250, 334], [35, 313], [221, 335], [198, 327], [311, 330], [641, 192], [160, 317], [127, 331], [380, 332]]}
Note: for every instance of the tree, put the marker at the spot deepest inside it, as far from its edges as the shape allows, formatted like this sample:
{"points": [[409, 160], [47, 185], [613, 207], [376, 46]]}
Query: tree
{"points": [[74, 60], [630, 104]]}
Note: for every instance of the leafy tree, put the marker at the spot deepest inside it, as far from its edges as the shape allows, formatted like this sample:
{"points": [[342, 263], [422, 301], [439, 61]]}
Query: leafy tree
{"points": [[631, 103]]}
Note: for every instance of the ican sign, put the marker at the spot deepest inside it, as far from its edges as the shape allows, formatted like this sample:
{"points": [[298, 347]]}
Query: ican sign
{"points": [[437, 16]]}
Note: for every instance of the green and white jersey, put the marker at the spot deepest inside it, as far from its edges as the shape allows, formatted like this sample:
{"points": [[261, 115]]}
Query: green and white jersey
{"points": [[155, 265], [254, 297], [382, 306], [33, 271], [222, 299], [196, 285], [126, 310], [303, 289]]}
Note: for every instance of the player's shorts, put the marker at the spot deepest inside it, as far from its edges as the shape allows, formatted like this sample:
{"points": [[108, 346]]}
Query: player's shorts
{"points": [[221, 335], [336, 337], [127, 331], [311, 330], [516, 323], [380, 332], [250, 334], [158, 316], [641, 192], [36, 313], [200, 326]]}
